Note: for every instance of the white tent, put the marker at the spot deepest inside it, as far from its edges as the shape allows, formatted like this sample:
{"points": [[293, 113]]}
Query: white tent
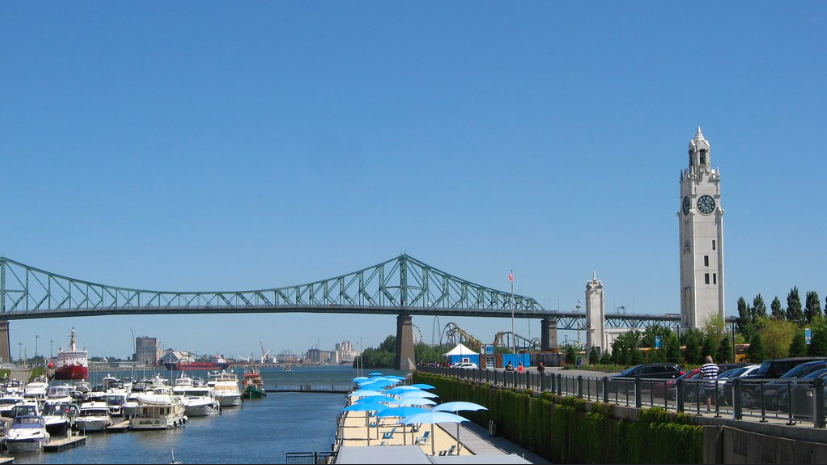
{"points": [[460, 350]]}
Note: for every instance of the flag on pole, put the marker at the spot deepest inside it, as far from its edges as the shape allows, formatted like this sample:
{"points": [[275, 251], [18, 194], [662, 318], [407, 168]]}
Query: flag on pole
{"points": [[511, 277]]}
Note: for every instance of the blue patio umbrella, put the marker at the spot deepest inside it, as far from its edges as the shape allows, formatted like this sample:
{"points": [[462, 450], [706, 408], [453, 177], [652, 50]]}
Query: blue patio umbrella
{"points": [[413, 401], [424, 387], [423, 394], [455, 407], [375, 399], [401, 390], [364, 393], [399, 378], [375, 374], [366, 407], [402, 412], [359, 379], [432, 418]]}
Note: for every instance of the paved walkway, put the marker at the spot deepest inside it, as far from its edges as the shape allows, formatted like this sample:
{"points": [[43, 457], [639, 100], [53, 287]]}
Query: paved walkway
{"points": [[476, 439]]}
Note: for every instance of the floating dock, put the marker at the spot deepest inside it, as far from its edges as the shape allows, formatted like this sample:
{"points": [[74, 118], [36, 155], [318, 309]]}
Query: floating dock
{"points": [[65, 444], [6, 460], [121, 427]]}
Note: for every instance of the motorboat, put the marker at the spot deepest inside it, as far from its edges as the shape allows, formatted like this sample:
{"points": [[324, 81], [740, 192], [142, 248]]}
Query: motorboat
{"points": [[13, 387], [142, 385], [60, 416], [182, 384], [61, 393], [225, 387], [200, 402], [37, 389], [94, 416], [27, 408], [116, 400], [132, 407], [159, 409], [253, 386], [26, 434], [7, 403]]}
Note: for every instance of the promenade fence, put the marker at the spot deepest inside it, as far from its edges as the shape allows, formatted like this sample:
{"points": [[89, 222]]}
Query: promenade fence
{"points": [[793, 401], [311, 388]]}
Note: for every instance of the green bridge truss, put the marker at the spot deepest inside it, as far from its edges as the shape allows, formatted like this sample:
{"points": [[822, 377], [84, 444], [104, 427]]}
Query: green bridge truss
{"points": [[401, 285]]}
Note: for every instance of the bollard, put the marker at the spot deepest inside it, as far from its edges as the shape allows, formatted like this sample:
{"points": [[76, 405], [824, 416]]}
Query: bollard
{"points": [[737, 402], [580, 386], [679, 388], [638, 400], [818, 398]]}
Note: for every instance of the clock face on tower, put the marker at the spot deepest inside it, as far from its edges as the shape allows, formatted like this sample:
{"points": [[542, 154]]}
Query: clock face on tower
{"points": [[687, 204], [706, 204]]}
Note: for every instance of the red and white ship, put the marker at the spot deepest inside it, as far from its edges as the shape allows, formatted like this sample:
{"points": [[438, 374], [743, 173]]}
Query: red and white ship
{"points": [[72, 364]]}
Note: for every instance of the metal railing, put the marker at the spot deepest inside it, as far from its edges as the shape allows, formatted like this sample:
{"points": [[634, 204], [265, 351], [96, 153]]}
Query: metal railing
{"points": [[790, 401], [310, 458], [310, 388]]}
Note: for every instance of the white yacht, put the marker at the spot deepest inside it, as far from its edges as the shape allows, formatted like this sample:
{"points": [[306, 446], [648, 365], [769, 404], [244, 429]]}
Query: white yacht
{"points": [[225, 387], [182, 384], [94, 416], [60, 416], [60, 393], [132, 407], [159, 410], [37, 389], [116, 400], [7, 403], [26, 434], [200, 402], [27, 408]]}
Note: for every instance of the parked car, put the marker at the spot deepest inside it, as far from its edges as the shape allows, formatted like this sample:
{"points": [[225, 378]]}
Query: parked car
{"points": [[783, 395], [751, 394], [623, 382], [467, 366], [726, 384], [775, 390]]}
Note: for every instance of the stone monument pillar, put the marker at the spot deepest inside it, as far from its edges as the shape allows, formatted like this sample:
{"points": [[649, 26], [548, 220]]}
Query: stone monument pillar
{"points": [[595, 315]]}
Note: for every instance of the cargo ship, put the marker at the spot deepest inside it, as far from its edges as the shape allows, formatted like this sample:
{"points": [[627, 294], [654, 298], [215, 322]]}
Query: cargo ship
{"points": [[215, 363], [73, 364]]}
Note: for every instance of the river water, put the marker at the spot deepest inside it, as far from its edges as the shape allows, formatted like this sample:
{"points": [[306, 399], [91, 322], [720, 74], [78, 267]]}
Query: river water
{"points": [[260, 431]]}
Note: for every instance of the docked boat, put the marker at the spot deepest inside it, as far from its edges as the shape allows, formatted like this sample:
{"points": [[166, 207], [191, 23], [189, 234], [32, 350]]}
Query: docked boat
{"points": [[116, 400], [37, 390], [7, 403], [200, 402], [60, 416], [159, 410], [94, 416], [26, 434], [72, 364], [213, 363], [253, 386], [25, 409], [225, 387], [183, 383], [61, 393]]}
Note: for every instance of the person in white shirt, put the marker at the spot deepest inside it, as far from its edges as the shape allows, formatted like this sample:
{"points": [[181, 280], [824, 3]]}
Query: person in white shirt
{"points": [[709, 372]]}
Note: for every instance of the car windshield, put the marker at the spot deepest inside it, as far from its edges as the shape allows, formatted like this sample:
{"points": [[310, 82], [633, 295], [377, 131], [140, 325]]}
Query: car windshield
{"points": [[815, 374], [796, 372], [629, 371]]}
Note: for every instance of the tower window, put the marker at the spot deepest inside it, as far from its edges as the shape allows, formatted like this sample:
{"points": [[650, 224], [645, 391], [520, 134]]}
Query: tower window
{"points": [[706, 260], [707, 278], [703, 157], [713, 244], [714, 278]]}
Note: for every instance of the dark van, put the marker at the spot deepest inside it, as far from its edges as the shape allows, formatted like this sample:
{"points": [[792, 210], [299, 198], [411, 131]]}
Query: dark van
{"points": [[772, 369]]}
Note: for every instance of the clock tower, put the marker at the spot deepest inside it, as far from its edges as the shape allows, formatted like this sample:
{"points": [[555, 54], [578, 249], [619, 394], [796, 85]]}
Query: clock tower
{"points": [[701, 225]]}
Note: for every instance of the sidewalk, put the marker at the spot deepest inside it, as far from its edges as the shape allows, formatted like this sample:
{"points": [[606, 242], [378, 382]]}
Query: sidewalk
{"points": [[476, 439]]}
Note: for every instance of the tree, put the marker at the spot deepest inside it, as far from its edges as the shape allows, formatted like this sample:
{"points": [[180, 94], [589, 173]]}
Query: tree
{"points": [[673, 349], [812, 307], [637, 356], [693, 340], [756, 352], [818, 340], [725, 353], [777, 310], [776, 337], [798, 348], [594, 358], [745, 322], [795, 313], [606, 359], [708, 347], [571, 356], [759, 308]]}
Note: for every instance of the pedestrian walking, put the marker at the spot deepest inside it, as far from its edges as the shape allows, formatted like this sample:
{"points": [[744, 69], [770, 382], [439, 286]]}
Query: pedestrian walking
{"points": [[709, 373], [540, 368]]}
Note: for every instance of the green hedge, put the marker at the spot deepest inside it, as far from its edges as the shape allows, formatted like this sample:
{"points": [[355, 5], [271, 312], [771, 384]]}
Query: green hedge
{"points": [[560, 429]]}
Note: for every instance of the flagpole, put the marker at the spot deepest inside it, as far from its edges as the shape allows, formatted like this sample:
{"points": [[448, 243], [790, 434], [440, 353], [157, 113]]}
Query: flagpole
{"points": [[513, 335]]}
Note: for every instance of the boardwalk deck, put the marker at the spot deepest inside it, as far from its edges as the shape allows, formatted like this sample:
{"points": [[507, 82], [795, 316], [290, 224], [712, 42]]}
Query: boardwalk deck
{"points": [[64, 444]]}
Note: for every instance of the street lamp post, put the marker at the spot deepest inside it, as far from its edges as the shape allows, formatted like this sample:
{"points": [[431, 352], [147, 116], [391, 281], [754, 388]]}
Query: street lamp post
{"points": [[579, 306], [36, 338]]}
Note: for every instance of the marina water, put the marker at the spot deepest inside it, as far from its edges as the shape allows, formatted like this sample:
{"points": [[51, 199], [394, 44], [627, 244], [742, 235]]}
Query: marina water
{"points": [[261, 431]]}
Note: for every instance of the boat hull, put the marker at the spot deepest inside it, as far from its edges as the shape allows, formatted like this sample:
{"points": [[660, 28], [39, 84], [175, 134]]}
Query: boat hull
{"points": [[92, 425], [229, 401], [157, 423], [253, 392], [25, 445], [203, 410], [71, 373]]}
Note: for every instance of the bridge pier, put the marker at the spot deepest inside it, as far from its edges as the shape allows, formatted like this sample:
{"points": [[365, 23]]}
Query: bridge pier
{"points": [[405, 353], [5, 346], [548, 334]]}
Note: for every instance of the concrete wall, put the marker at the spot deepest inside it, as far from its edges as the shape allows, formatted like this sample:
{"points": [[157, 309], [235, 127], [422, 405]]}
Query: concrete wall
{"points": [[724, 444]]}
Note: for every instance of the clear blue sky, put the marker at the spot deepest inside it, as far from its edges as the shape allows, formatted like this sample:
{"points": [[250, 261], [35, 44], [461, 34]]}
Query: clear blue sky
{"points": [[205, 146]]}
